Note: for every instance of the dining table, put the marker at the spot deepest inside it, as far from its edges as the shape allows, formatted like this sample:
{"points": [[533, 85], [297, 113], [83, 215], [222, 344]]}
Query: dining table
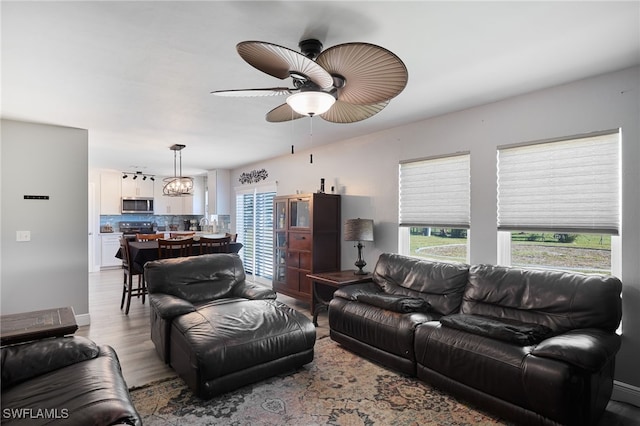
{"points": [[146, 251]]}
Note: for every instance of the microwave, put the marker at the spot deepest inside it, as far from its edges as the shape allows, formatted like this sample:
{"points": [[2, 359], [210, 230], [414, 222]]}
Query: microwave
{"points": [[137, 205]]}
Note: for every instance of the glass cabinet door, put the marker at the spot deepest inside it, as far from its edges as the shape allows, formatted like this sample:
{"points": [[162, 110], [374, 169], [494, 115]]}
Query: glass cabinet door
{"points": [[280, 212], [280, 266], [299, 213]]}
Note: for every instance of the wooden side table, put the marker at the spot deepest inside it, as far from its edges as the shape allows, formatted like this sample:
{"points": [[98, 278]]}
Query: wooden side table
{"points": [[23, 327], [324, 284]]}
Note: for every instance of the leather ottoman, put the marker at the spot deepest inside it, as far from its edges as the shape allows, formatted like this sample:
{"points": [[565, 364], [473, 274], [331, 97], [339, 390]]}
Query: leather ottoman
{"points": [[229, 343]]}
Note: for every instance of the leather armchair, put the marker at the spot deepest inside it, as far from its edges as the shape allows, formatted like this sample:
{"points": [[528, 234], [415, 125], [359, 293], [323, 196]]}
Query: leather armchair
{"points": [[64, 381], [182, 285], [218, 331]]}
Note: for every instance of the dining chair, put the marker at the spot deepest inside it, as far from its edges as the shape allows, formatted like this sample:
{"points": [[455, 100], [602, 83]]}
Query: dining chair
{"points": [[233, 237], [214, 245], [181, 234], [174, 248], [131, 269], [148, 237]]}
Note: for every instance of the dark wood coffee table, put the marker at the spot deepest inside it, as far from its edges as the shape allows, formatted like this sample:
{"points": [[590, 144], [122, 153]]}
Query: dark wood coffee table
{"points": [[324, 284], [23, 327]]}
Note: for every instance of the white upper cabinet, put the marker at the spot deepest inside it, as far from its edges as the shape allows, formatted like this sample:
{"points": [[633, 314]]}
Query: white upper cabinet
{"points": [[110, 193], [137, 187], [163, 204], [195, 204], [218, 186]]}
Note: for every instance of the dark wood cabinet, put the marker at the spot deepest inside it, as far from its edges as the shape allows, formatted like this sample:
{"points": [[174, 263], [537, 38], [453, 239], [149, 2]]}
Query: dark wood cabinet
{"points": [[306, 240]]}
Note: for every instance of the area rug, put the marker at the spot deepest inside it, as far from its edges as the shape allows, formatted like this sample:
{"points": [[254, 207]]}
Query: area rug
{"points": [[337, 388]]}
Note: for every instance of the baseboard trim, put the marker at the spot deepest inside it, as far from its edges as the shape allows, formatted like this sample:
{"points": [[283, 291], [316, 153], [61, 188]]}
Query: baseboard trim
{"points": [[624, 392], [83, 319]]}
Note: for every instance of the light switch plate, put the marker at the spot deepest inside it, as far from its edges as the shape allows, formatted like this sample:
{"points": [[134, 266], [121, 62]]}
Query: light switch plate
{"points": [[23, 235]]}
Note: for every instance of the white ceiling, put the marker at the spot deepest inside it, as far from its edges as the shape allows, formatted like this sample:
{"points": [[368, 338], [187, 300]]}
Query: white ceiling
{"points": [[138, 75]]}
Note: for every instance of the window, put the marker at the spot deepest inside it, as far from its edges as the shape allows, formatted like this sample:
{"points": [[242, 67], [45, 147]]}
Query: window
{"points": [[559, 203], [254, 212], [434, 208]]}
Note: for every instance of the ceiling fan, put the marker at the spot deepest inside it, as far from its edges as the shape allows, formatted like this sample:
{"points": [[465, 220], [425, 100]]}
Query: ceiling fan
{"points": [[346, 83]]}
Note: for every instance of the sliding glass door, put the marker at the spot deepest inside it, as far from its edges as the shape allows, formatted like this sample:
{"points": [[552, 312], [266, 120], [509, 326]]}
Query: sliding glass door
{"points": [[254, 225]]}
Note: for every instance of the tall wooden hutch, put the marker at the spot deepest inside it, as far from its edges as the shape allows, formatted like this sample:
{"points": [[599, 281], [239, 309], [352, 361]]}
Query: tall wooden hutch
{"points": [[306, 240]]}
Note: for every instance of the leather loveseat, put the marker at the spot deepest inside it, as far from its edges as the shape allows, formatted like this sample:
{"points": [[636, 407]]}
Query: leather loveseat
{"points": [[66, 381], [533, 346], [218, 331]]}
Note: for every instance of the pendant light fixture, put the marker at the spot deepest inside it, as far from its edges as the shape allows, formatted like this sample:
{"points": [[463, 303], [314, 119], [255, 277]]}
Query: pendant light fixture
{"points": [[178, 185]]}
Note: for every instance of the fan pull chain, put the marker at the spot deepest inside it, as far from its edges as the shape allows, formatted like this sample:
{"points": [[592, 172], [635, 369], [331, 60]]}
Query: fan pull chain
{"points": [[311, 134], [292, 132]]}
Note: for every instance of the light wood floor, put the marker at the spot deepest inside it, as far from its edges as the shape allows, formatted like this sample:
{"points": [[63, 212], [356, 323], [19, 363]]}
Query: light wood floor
{"points": [[129, 335]]}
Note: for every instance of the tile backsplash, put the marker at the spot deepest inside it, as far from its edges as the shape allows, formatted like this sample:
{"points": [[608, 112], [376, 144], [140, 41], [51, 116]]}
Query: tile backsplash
{"points": [[162, 222]]}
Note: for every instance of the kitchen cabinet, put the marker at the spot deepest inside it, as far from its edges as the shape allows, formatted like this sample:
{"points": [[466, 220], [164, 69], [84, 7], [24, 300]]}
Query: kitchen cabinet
{"points": [[110, 193], [218, 189], [194, 205], [163, 204], [190, 205], [109, 246], [306, 240], [137, 187]]}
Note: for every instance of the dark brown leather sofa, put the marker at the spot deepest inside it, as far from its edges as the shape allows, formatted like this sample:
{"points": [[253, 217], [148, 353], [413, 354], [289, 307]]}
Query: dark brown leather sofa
{"points": [[218, 331], [64, 381], [533, 346]]}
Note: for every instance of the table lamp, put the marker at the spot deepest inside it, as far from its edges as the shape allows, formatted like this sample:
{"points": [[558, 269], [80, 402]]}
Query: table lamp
{"points": [[359, 230]]}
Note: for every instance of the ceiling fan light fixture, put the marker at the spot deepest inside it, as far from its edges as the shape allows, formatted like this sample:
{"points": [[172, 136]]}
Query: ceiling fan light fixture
{"points": [[311, 102]]}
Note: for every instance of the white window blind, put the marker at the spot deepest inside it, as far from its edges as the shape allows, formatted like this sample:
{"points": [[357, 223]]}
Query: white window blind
{"points": [[254, 213], [562, 186], [435, 192]]}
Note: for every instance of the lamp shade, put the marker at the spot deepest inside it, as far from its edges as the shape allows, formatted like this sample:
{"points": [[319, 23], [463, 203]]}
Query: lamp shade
{"points": [[311, 102], [358, 230]]}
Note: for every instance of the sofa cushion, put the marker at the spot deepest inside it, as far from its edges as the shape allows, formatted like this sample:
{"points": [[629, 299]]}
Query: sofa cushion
{"points": [[498, 328], [196, 278], [25, 361], [441, 284], [559, 300], [396, 303], [489, 365], [589, 349], [229, 343], [353, 291]]}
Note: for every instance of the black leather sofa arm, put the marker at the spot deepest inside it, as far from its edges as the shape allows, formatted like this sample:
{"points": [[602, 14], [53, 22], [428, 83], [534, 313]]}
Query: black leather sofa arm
{"points": [[351, 292], [253, 291], [28, 360], [168, 306], [587, 348]]}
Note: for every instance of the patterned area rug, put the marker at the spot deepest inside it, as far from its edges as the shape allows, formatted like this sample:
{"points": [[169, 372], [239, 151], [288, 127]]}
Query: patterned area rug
{"points": [[337, 388]]}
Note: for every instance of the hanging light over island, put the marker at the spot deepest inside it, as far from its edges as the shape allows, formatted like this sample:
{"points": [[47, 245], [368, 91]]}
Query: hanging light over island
{"points": [[178, 185]]}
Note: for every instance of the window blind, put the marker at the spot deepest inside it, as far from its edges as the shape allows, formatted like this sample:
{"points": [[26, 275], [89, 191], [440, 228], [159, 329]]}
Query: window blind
{"points": [[435, 192], [254, 212], [563, 186], [264, 234]]}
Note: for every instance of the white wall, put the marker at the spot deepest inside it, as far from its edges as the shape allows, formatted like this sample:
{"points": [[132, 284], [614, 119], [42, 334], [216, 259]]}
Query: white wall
{"points": [[51, 269], [365, 171]]}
